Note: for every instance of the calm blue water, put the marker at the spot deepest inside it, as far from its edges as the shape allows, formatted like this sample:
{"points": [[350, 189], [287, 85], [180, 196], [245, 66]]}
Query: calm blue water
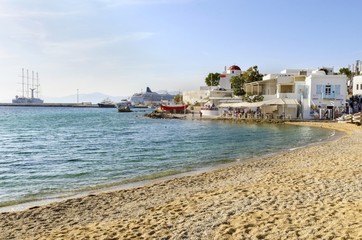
{"points": [[60, 151]]}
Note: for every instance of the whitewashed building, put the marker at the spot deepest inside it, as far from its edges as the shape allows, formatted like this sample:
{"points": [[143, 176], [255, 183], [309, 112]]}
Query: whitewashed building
{"points": [[357, 85], [225, 77], [214, 94], [319, 92]]}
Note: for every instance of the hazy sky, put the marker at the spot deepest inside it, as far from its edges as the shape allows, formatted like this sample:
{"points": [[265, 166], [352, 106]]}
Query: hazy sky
{"points": [[119, 47]]}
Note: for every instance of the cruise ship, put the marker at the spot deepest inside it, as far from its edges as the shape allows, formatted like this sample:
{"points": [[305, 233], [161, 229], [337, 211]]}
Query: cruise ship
{"points": [[150, 98]]}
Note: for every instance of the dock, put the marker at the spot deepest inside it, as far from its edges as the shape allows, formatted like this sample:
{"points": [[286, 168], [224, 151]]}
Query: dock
{"points": [[75, 105]]}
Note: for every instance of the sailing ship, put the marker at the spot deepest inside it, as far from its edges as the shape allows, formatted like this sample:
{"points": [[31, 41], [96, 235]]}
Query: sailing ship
{"points": [[30, 92]]}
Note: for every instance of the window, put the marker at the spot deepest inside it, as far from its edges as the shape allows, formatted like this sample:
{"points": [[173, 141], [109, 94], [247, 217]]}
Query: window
{"points": [[328, 90], [360, 86], [303, 73], [357, 86]]}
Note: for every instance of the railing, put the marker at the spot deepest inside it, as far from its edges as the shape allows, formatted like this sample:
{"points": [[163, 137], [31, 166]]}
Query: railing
{"points": [[288, 95]]}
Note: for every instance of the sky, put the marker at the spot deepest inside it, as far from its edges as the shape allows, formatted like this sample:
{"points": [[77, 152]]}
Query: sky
{"points": [[120, 47]]}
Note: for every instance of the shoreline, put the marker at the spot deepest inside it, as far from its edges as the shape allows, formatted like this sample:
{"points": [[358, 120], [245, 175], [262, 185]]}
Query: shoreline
{"points": [[270, 196], [149, 180]]}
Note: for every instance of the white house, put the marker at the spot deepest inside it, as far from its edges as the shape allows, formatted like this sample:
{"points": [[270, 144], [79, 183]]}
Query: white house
{"points": [[357, 85], [324, 91], [318, 92]]}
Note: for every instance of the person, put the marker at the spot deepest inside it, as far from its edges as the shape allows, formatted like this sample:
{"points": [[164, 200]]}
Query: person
{"points": [[193, 114], [200, 114]]}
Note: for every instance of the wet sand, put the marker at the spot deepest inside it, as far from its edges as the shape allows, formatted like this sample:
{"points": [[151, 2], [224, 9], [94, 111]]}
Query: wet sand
{"points": [[312, 192]]}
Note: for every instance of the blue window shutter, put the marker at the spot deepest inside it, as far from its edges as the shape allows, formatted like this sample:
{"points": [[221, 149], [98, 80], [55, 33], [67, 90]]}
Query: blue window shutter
{"points": [[333, 89], [323, 91], [319, 89], [338, 90]]}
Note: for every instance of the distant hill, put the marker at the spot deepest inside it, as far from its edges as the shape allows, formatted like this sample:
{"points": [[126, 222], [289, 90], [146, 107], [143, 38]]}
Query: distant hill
{"points": [[168, 92], [94, 98], [91, 97]]}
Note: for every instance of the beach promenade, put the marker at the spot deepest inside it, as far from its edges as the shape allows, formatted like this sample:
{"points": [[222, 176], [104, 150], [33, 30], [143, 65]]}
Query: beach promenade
{"points": [[313, 192]]}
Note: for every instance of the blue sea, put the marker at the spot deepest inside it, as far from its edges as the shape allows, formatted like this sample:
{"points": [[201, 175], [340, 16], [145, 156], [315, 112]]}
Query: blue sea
{"points": [[47, 153]]}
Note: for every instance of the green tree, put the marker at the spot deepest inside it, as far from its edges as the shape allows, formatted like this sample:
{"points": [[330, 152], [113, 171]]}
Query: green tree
{"points": [[237, 85], [346, 71], [212, 79], [252, 75], [255, 98]]}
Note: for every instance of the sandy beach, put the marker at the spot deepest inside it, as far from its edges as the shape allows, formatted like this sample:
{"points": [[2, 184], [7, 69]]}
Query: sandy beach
{"points": [[308, 193]]}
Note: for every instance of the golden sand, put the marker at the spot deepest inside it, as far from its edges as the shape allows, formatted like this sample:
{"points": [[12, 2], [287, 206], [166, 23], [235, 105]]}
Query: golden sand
{"points": [[308, 193]]}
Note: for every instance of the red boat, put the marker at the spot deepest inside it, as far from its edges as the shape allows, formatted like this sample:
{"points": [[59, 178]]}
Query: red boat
{"points": [[173, 107]]}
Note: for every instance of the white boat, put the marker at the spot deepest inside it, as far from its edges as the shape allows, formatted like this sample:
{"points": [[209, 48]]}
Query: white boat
{"points": [[148, 98], [213, 111], [107, 103], [124, 106]]}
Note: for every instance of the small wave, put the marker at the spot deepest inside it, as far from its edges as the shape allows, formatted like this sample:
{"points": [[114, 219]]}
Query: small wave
{"points": [[220, 161], [16, 202], [75, 175], [73, 160], [295, 148]]}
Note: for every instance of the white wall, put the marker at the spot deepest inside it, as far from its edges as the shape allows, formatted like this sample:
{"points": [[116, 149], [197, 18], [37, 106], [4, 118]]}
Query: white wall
{"points": [[338, 94], [285, 79], [315, 85], [195, 96], [225, 82], [295, 72], [357, 85]]}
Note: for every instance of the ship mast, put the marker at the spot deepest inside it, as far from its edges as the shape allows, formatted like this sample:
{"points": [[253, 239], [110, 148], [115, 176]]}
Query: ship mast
{"points": [[23, 84], [37, 85], [27, 83], [32, 84]]}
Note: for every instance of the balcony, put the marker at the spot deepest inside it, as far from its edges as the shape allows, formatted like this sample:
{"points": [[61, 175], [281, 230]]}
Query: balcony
{"points": [[288, 95]]}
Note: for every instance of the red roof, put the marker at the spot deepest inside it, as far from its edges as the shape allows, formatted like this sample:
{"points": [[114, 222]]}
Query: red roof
{"points": [[234, 67]]}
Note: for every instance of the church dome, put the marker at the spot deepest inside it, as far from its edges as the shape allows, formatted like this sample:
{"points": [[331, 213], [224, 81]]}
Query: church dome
{"points": [[234, 67]]}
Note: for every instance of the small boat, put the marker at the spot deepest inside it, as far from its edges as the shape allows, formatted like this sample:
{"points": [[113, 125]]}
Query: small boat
{"points": [[140, 106], [124, 106], [107, 103], [124, 109], [173, 107]]}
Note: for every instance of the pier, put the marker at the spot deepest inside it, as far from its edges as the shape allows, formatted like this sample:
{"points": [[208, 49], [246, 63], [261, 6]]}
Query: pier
{"points": [[75, 105]]}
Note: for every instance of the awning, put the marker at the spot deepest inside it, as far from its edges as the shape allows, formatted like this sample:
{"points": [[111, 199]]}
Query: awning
{"points": [[290, 101], [241, 104], [280, 101], [275, 101]]}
